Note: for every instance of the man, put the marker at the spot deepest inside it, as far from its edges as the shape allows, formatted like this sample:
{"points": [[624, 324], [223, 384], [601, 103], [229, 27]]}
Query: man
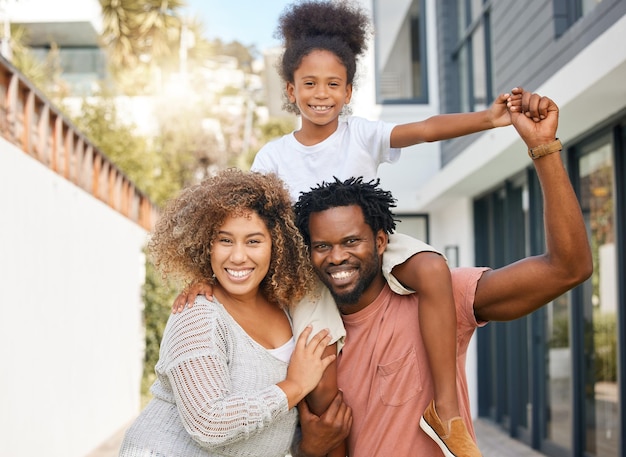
{"points": [[381, 367]]}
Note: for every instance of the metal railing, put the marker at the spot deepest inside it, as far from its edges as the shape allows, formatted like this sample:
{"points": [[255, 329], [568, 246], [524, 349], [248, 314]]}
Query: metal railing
{"points": [[30, 121]]}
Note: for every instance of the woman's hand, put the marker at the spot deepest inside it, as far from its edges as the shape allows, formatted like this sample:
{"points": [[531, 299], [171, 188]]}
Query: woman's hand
{"points": [[307, 365]]}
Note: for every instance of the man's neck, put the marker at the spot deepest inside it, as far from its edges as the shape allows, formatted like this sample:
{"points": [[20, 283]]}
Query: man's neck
{"points": [[368, 297]]}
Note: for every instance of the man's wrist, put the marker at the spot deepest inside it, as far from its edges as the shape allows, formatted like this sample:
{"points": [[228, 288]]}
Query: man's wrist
{"points": [[298, 452], [296, 447], [545, 149]]}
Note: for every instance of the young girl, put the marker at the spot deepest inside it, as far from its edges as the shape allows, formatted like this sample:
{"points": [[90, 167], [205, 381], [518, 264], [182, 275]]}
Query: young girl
{"points": [[323, 40], [230, 370]]}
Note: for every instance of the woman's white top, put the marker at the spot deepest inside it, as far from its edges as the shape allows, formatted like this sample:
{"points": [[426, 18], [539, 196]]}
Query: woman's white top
{"points": [[215, 393]]}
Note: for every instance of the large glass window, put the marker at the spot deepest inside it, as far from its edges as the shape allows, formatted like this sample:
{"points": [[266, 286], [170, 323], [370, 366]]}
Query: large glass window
{"points": [[472, 55], [400, 62], [601, 401], [559, 385], [501, 225]]}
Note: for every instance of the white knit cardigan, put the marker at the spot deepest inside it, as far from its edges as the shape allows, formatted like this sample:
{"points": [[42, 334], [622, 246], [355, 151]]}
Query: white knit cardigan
{"points": [[215, 393]]}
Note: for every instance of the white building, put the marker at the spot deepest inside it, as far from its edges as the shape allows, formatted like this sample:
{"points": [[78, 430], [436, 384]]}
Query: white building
{"points": [[476, 198]]}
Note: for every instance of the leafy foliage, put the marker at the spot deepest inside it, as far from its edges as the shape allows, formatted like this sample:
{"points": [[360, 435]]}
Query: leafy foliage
{"points": [[276, 128], [100, 122], [138, 30], [244, 54], [146, 38], [157, 297], [44, 73], [189, 150]]}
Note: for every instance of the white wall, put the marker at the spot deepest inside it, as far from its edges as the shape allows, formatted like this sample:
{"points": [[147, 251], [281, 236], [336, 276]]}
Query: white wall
{"points": [[71, 332]]}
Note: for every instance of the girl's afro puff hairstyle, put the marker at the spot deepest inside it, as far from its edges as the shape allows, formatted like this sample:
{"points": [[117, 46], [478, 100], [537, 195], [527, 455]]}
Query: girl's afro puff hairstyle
{"points": [[339, 19]]}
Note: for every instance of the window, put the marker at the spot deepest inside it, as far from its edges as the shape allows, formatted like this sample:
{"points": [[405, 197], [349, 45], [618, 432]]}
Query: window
{"points": [[567, 12], [472, 55], [598, 317], [501, 225], [415, 225], [400, 51]]}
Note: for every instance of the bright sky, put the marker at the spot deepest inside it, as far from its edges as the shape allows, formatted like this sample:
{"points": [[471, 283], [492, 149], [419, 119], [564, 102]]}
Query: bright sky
{"points": [[251, 22]]}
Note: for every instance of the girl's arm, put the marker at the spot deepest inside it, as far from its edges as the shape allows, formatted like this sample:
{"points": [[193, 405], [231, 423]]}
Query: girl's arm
{"points": [[447, 126], [319, 309], [320, 398]]}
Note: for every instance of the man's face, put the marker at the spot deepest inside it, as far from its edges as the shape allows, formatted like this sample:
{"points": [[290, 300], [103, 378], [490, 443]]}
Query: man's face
{"points": [[346, 256]]}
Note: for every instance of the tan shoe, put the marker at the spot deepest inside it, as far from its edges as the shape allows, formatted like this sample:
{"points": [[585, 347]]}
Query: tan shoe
{"points": [[453, 437]]}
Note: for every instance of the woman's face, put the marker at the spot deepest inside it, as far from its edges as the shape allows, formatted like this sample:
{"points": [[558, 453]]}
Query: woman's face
{"points": [[241, 254]]}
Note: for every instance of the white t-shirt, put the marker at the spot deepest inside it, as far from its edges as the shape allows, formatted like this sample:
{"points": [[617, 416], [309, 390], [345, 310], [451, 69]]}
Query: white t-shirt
{"points": [[356, 148]]}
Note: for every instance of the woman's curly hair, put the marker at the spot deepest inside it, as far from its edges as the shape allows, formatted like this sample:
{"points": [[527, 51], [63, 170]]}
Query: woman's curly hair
{"points": [[181, 241], [340, 27]]}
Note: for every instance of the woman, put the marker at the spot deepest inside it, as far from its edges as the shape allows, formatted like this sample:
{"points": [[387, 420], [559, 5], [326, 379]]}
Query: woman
{"points": [[230, 372]]}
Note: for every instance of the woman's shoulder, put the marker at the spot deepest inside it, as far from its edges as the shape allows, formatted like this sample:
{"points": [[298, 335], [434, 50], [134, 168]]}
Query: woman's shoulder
{"points": [[202, 306], [203, 327], [203, 317]]}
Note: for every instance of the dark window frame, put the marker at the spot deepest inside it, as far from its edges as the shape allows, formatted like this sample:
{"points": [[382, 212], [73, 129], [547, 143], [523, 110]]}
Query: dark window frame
{"points": [[423, 99], [464, 43]]}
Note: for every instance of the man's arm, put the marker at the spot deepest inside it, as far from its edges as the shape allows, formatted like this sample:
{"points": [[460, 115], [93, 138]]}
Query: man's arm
{"points": [[319, 435], [520, 288]]}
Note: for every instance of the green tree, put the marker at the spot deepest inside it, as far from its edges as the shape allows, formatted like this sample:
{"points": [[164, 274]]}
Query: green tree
{"points": [[181, 154], [100, 122], [138, 34], [143, 39], [138, 29], [158, 294], [189, 142], [244, 54], [44, 73], [277, 127]]}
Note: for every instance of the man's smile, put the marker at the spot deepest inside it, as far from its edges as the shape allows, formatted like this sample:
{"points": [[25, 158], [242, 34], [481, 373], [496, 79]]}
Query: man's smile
{"points": [[342, 276]]}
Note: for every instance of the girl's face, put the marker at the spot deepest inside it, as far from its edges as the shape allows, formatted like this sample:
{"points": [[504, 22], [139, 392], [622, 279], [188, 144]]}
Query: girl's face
{"points": [[320, 88], [241, 254]]}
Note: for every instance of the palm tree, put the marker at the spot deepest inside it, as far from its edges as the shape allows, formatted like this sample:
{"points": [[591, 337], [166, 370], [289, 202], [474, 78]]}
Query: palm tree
{"points": [[159, 24], [140, 35], [118, 34]]}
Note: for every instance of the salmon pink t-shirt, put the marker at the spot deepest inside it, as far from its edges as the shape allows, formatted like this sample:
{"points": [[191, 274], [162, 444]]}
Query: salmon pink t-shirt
{"points": [[384, 374]]}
